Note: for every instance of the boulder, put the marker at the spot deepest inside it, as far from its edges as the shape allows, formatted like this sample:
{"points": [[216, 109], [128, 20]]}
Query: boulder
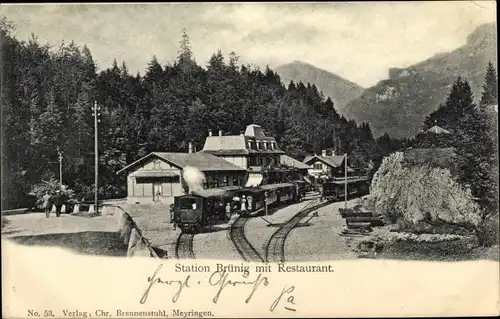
{"points": [[412, 193]]}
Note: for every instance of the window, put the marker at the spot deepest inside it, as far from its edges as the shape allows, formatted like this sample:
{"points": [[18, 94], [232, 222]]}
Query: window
{"points": [[259, 161], [187, 203], [236, 181], [265, 145], [318, 166], [249, 145]]}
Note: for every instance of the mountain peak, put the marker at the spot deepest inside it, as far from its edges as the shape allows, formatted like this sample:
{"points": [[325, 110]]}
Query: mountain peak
{"points": [[399, 104], [340, 90]]}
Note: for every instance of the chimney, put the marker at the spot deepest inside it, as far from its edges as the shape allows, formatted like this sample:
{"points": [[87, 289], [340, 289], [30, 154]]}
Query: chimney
{"points": [[190, 147], [323, 153], [333, 152], [220, 132], [242, 132], [209, 132]]}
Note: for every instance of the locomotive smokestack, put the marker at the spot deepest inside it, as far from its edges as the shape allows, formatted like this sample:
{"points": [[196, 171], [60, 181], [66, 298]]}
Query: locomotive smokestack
{"points": [[190, 148], [220, 132], [209, 132]]}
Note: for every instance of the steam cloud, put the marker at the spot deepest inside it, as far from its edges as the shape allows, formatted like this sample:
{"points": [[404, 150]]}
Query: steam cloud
{"points": [[194, 178]]}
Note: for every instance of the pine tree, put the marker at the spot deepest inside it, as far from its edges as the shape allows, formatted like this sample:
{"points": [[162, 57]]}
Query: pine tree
{"points": [[474, 151], [490, 87], [185, 58]]}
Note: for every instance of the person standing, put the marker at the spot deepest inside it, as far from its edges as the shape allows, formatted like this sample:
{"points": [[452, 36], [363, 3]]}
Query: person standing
{"points": [[249, 203], [171, 211], [228, 211], [243, 204], [46, 204]]}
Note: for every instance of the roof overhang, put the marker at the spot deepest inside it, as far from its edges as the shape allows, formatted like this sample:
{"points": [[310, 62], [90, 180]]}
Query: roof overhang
{"points": [[155, 174]]}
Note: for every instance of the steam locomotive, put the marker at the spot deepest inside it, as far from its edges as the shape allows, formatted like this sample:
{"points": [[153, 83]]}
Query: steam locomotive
{"points": [[193, 212]]}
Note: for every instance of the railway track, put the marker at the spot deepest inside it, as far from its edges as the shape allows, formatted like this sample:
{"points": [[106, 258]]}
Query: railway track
{"points": [[184, 246], [275, 248], [239, 240]]}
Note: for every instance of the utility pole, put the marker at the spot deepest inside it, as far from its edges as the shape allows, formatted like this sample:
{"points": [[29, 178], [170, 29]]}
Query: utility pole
{"points": [[60, 165], [96, 109], [265, 200], [60, 158], [345, 186]]}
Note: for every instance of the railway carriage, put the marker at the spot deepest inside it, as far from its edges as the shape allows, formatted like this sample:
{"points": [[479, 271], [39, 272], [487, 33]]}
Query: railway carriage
{"points": [[280, 193], [302, 186], [255, 198], [335, 190], [201, 208]]}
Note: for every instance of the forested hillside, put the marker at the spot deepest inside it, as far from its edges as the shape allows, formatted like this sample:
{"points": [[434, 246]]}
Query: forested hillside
{"points": [[342, 91], [47, 94]]}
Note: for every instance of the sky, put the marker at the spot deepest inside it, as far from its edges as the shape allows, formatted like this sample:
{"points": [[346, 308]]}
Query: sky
{"points": [[359, 41]]}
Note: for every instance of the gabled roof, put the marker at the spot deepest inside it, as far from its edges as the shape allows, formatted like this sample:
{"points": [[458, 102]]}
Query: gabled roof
{"points": [[438, 130], [292, 162], [333, 161], [203, 161], [308, 157]]}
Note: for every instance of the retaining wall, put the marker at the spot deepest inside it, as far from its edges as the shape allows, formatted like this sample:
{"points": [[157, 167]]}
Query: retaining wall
{"points": [[131, 235]]}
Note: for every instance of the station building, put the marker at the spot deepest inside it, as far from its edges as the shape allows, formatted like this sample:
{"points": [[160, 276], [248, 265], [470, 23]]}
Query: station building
{"points": [[158, 176], [248, 159]]}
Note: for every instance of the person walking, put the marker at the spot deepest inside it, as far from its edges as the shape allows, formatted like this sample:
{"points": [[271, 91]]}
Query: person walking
{"points": [[58, 201], [46, 204]]}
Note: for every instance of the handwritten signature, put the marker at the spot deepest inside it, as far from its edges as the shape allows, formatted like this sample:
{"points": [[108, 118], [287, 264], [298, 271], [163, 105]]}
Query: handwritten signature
{"points": [[221, 280]]}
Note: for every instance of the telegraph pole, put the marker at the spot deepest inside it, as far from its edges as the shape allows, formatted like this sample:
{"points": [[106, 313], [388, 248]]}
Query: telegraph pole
{"points": [[60, 158], [345, 186], [60, 165], [96, 109]]}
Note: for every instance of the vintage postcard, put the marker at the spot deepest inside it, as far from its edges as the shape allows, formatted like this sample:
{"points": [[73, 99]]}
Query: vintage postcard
{"points": [[254, 160]]}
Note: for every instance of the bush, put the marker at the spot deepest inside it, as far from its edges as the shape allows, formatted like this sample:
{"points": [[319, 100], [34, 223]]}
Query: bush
{"points": [[60, 194], [487, 231]]}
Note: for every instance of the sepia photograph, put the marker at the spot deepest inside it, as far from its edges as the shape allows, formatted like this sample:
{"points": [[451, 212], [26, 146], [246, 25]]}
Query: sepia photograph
{"points": [[294, 135]]}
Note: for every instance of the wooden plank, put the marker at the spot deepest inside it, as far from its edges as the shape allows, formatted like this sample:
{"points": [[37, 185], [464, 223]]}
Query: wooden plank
{"points": [[359, 219], [359, 225], [354, 214]]}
